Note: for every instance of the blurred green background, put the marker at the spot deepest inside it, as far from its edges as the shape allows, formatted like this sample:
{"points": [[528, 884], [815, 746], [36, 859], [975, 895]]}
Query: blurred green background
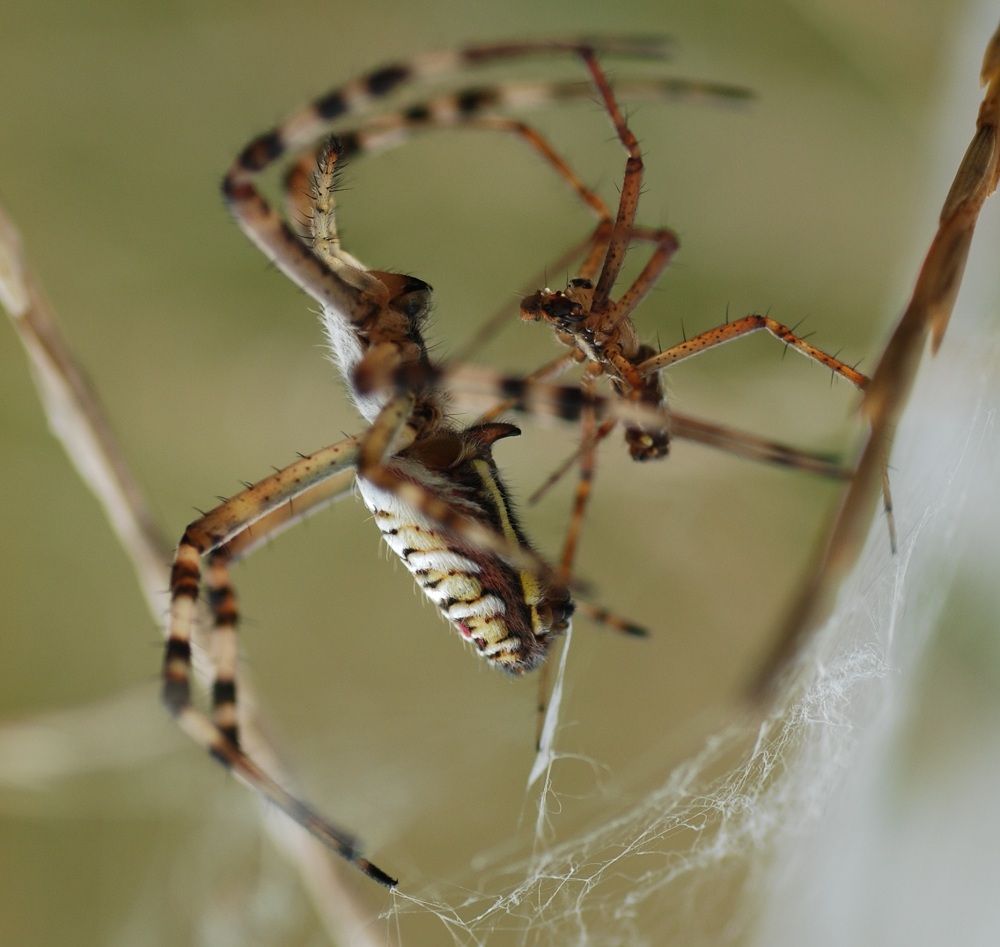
{"points": [[118, 120]]}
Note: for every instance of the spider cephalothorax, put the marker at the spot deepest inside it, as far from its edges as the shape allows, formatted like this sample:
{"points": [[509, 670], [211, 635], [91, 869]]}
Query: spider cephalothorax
{"points": [[608, 343]]}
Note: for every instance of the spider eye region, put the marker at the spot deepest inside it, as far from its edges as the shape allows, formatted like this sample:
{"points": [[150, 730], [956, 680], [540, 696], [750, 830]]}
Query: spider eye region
{"points": [[561, 308], [551, 306]]}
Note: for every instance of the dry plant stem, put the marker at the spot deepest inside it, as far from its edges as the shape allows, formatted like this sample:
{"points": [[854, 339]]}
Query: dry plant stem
{"points": [[885, 398], [78, 421]]}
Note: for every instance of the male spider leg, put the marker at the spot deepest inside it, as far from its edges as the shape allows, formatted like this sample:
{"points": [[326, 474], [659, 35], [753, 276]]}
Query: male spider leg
{"points": [[588, 463], [712, 338], [628, 202], [582, 494], [666, 247], [752, 447], [733, 441], [203, 536], [566, 466]]}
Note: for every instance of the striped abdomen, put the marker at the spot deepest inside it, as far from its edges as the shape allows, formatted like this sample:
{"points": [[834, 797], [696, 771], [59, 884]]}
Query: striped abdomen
{"points": [[508, 615]]}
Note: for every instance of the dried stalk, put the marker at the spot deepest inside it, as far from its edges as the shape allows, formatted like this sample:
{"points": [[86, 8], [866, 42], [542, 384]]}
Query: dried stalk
{"points": [[886, 396]]}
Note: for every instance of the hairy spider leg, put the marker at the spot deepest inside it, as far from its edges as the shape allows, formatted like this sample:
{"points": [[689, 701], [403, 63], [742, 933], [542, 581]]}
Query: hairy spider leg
{"points": [[219, 737], [755, 322]]}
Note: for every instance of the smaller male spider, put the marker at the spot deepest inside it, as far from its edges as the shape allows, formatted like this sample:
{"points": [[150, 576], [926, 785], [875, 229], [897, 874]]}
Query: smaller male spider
{"points": [[432, 486], [601, 335]]}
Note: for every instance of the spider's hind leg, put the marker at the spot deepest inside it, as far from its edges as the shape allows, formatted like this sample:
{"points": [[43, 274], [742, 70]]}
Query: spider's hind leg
{"points": [[230, 522]]}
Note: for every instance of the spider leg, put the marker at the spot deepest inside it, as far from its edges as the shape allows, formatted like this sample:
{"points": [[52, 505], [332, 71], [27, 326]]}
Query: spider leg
{"points": [[219, 526], [294, 511], [753, 447], [628, 202], [222, 596], [666, 245], [713, 338], [564, 468], [345, 287], [588, 463]]}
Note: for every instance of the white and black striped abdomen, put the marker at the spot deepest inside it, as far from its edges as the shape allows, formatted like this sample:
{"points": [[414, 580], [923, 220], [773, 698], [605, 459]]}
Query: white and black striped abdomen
{"points": [[506, 614]]}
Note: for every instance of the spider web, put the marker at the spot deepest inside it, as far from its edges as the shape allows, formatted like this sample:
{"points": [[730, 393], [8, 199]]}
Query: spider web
{"points": [[775, 830]]}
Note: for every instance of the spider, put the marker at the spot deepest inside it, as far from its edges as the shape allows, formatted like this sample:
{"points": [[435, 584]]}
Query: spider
{"points": [[432, 486]]}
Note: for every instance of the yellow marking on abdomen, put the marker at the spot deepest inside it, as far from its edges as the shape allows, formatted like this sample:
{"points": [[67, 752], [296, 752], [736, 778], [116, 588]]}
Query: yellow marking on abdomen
{"points": [[530, 586], [491, 628]]}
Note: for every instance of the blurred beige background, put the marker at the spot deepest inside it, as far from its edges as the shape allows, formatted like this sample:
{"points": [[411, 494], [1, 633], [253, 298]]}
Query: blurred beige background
{"points": [[118, 121]]}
